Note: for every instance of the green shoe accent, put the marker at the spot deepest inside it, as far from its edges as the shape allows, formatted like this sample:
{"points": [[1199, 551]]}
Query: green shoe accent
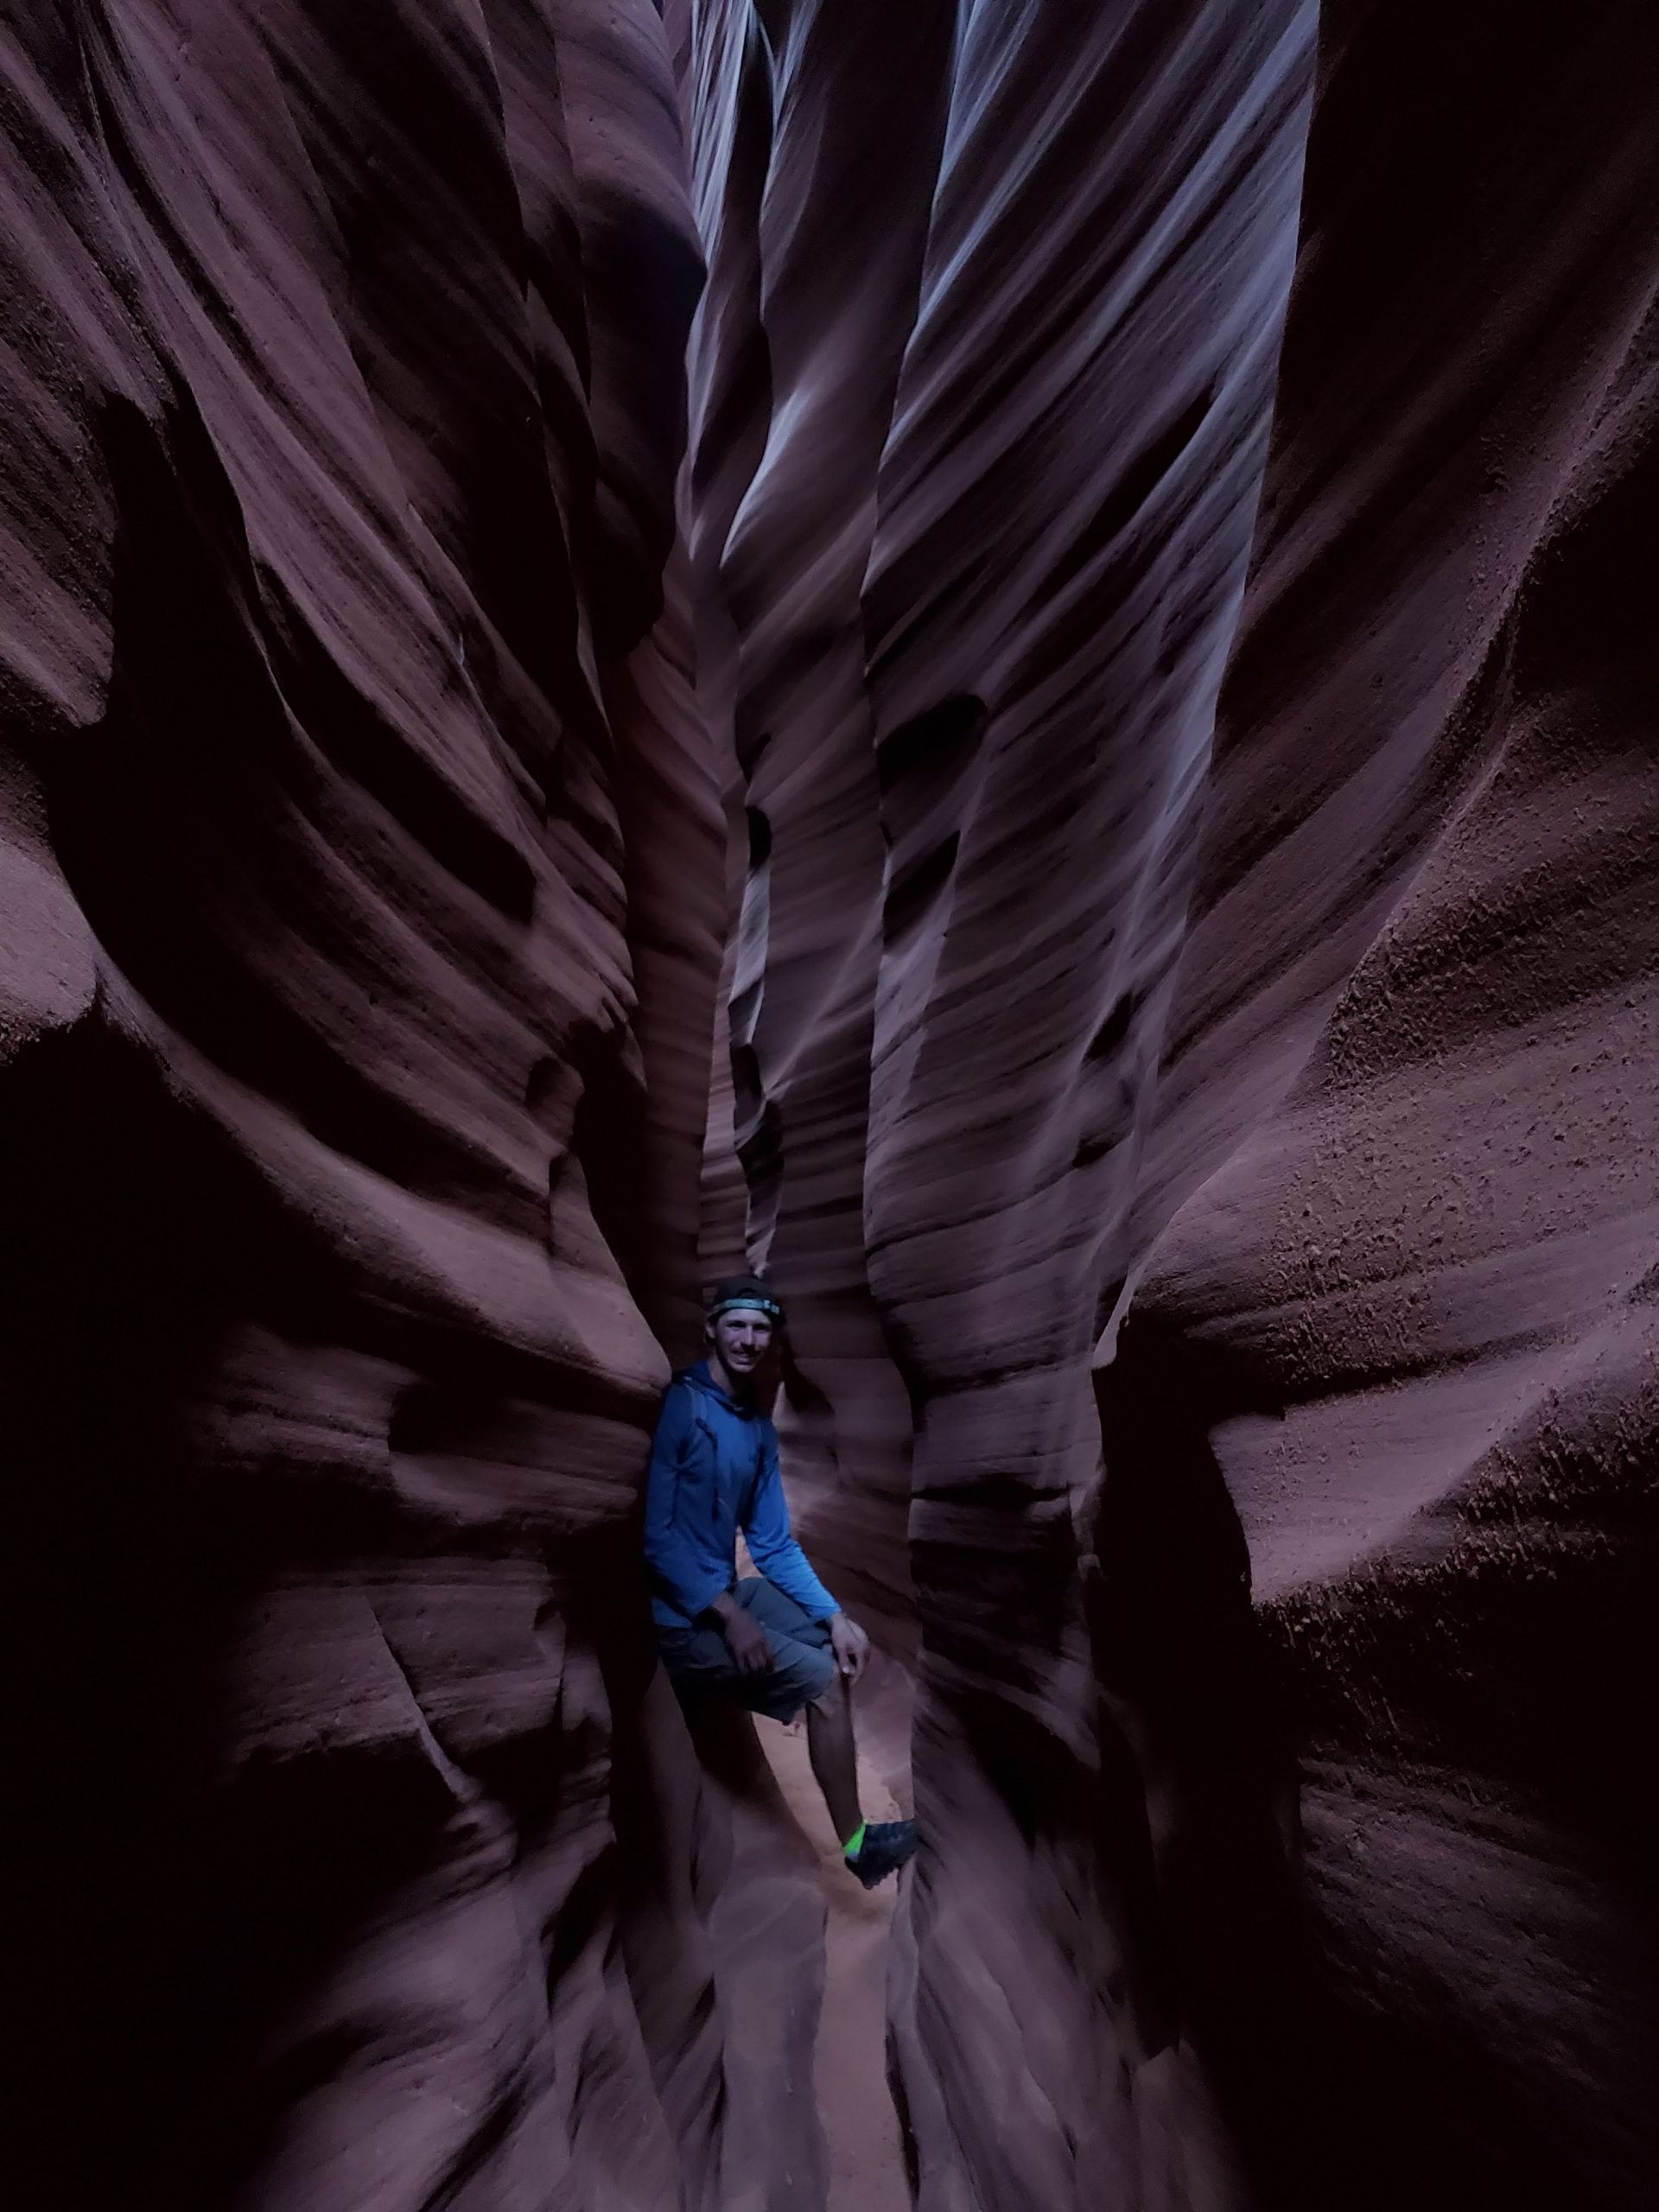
{"points": [[854, 1842]]}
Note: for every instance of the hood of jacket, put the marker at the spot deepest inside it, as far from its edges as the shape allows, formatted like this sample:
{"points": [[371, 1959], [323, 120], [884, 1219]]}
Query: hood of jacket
{"points": [[702, 1378]]}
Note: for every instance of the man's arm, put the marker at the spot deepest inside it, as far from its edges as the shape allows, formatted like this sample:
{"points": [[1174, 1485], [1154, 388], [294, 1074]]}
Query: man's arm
{"points": [[687, 1581], [771, 1543], [750, 1644]]}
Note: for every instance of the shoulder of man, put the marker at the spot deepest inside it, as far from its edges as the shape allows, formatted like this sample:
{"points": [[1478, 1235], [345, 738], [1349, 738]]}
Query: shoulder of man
{"points": [[687, 1403], [677, 1400]]}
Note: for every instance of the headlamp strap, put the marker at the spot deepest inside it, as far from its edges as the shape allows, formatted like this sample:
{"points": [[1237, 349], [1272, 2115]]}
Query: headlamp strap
{"points": [[753, 1304]]}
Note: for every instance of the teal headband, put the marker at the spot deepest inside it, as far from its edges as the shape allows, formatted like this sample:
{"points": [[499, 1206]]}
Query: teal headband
{"points": [[747, 1302]]}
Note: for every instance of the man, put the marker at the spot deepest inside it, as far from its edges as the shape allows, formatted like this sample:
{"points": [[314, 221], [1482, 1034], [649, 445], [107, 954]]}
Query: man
{"points": [[776, 1641]]}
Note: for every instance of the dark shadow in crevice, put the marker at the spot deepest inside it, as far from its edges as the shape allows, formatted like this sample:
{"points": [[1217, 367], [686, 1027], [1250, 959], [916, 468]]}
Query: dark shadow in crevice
{"points": [[121, 1603], [753, 929], [1114, 1032], [353, 733], [759, 1128], [757, 1123], [1314, 2080], [925, 772], [1123, 504], [591, 1104], [177, 1908], [913, 891], [737, 411], [1189, 1683], [923, 760], [187, 819], [608, 1139]]}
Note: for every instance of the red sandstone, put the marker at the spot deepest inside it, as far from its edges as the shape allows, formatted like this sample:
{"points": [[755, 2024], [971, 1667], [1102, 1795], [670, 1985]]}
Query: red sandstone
{"points": [[996, 656]]}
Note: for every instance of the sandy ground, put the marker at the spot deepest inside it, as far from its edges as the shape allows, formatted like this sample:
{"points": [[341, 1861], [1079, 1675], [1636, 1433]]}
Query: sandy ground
{"points": [[861, 2129]]}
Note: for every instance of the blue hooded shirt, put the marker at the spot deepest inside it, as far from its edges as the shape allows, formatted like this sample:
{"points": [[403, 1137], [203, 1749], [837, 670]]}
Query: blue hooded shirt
{"points": [[713, 1469]]}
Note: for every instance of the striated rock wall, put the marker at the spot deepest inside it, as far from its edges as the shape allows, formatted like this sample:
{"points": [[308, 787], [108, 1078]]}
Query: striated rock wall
{"points": [[1305, 1031], [1395, 1231], [1010, 292], [362, 856], [1134, 724]]}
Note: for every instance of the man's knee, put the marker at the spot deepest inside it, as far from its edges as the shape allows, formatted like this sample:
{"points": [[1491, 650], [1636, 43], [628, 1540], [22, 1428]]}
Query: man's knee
{"points": [[831, 1700]]}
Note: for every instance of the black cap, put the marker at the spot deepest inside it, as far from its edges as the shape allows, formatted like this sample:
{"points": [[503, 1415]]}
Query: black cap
{"points": [[745, 1293]]}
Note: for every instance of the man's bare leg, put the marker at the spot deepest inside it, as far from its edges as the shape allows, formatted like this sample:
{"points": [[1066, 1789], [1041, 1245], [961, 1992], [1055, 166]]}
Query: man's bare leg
{"points": [[835, 1761]]}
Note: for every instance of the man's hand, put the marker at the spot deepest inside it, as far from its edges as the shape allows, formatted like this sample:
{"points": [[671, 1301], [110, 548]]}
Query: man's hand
{"points": [[850, 1645], [750, 1645]]}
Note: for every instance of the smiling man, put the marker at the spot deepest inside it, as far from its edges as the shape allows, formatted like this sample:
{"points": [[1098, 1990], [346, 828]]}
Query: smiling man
{"points": [[778, 1641]]}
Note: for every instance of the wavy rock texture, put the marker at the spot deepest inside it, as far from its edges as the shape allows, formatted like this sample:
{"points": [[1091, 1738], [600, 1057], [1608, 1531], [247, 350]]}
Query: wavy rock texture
{"points": [[1190, 820], [1309, 1036], [1399, 1193], [364, 914], [982, 572]]}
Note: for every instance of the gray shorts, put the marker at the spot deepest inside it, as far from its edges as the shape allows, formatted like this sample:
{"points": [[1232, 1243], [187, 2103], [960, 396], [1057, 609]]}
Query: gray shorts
{"points": [[803, 1666]]}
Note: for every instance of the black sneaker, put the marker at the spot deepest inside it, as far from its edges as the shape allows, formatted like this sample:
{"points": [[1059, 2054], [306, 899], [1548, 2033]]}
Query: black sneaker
{"points": [[885, 1846]]}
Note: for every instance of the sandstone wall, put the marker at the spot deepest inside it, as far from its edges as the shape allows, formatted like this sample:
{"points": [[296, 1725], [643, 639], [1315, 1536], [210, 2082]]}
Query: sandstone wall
{"points": [[364, 907], [1394, 1237], [1133, 717], [1305, 1030]]}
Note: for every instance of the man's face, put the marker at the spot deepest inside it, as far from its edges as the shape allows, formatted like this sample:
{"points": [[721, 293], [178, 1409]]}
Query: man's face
{"points": [[742, 1338]]}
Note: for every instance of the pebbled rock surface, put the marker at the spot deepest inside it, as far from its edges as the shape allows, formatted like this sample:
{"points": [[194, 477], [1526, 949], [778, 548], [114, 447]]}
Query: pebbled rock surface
{"points": [[1395, 1229], [1204, 1129], [363, 916]]}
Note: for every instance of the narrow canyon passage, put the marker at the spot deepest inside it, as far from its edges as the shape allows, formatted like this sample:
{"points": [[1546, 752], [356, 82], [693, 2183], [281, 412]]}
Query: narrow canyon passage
{"points": [[995, 658]]}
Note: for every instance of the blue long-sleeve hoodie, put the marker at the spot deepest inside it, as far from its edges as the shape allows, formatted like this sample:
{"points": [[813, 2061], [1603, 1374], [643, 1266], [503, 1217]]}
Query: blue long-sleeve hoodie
{"points": [[713, 1469]]}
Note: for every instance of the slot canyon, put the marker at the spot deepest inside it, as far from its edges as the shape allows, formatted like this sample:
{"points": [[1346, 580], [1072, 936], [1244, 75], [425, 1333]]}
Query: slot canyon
{"points": [[998, 659]]}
